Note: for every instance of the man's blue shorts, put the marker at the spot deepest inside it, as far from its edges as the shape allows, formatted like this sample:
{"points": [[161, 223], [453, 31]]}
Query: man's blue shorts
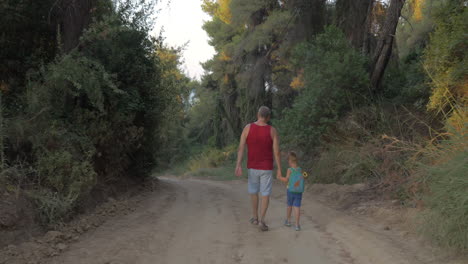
{"points": [[294, 199]]}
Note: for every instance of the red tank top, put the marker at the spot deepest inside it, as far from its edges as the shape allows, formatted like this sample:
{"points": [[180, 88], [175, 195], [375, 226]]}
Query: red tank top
{"points": [[259, 148]]}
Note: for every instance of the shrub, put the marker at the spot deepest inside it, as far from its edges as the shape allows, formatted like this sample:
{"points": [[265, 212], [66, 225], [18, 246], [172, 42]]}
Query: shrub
{"points": [[344, 165], [212, 158], [446, 217], [445, 57], [52, 208]]}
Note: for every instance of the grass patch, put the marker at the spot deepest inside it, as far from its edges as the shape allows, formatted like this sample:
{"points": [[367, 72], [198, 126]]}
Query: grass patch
{"points": [[344, 165], [446, 217], [211, 163]]}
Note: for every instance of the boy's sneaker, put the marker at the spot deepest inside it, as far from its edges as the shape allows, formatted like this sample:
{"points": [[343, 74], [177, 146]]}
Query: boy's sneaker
{"points": [[297, 228], [287, 223]]}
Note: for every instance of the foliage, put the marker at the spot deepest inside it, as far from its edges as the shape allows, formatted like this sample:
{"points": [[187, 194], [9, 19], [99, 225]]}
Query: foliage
{"points": [[86, 118], [344, 165], [406, 82], [212, 158], [335, 81], [446, 220], [446, 59]]}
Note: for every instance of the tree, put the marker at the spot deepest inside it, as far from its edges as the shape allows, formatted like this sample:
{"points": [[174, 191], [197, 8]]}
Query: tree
{"points": [[384, 48]]}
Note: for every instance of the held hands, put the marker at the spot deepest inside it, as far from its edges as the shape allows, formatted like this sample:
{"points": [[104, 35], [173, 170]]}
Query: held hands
{"points": [[279, 175]]}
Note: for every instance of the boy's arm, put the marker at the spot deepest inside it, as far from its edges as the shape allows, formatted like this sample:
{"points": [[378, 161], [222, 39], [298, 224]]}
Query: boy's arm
{"points": [[288, 174]]}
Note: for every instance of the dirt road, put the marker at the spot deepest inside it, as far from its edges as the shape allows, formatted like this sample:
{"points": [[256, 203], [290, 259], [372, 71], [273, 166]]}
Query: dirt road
{"points": [[195, 221]]}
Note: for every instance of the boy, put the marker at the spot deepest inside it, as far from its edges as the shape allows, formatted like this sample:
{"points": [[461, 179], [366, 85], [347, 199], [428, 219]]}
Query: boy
{"points": [[295, 180]]}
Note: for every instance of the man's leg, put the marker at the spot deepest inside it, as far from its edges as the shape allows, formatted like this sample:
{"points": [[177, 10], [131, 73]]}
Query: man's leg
{"points": [[266, 181], [254, 189], [265, 202], [254, 198]]}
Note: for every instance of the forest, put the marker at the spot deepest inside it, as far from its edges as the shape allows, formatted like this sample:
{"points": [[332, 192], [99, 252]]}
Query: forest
{"points": [[371, 91]]}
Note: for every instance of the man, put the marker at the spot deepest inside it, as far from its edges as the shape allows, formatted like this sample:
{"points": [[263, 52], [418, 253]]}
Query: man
{"points": [[263, 145]]}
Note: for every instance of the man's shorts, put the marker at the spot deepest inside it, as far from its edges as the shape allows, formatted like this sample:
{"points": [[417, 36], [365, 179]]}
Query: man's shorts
{"points": [[260, 181], [294, 199]]}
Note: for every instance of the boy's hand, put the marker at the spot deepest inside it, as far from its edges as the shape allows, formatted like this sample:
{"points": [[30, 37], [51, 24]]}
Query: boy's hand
{"points": [[238, 171]]}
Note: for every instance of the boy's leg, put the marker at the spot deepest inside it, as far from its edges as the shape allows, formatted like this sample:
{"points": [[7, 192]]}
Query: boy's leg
{"points": [[288, 213], [297, 207], [297, 213]]}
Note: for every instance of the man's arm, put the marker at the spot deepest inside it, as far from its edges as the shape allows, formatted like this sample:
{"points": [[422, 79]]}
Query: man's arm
{"points": [[276, 152], [240, 151]]}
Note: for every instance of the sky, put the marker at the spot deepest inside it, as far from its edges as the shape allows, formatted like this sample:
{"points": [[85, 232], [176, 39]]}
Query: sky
{"points": [[182, 22]]}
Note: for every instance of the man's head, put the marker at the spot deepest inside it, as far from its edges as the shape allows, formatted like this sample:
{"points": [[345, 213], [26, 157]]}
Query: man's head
{"points": [[264, 113]]}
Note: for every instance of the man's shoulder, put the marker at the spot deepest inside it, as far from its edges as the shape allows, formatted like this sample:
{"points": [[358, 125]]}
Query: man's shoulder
{"points": [[273, 131]]}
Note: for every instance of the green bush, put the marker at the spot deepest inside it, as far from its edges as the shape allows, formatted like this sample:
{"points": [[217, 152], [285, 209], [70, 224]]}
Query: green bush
{"points": [[446, 219], [335, 81], [69, 176], [52, 208], [212, 158]]}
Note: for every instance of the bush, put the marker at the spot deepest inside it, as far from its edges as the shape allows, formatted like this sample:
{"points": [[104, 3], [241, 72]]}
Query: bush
{"points": [[52, 208], [66, 175], [445, 57], [446, 219], [335, 81], [212, 158]]}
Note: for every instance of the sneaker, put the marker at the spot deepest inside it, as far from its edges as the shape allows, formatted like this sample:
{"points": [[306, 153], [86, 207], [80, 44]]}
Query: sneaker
{"points": [[287, 223], [297, 228]]}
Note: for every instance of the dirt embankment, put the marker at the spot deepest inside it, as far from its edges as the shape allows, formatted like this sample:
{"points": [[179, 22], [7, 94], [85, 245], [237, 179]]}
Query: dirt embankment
{"points": [[23, 240]]}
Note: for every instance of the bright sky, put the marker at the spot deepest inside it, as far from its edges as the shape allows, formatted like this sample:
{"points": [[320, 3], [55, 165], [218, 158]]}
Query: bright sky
{"points": [[182, 21]]}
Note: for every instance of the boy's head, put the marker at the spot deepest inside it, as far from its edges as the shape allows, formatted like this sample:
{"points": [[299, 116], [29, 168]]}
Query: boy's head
{"points": [[292, 158], [264, 113]]}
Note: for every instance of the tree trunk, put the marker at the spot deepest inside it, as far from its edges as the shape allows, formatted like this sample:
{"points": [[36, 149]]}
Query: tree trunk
{"points": [[353, 18], [383, 50], [75, 17]]}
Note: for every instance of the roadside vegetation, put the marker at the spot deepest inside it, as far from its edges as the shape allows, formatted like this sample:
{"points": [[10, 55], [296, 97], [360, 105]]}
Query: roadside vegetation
{"points": [[89, 101]]}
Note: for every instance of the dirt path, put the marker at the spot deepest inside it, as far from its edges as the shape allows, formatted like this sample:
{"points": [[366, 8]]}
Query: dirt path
{"points": [[195, 221]]}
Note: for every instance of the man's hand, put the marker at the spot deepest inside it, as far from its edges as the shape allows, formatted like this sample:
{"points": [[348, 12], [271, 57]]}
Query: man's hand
{"points": [[279, 175], [238, 171]]}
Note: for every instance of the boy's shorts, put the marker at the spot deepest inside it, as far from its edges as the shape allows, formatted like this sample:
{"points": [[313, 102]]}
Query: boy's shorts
{"points": [[294, 199], [260, 181]]}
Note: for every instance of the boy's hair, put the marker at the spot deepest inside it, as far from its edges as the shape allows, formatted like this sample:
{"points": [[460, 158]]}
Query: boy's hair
{"points": [[264, 112], [292, 156]]}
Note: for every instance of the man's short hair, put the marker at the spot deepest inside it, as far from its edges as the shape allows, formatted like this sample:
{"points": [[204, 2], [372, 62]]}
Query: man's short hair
{"points": [[264, 112]]}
